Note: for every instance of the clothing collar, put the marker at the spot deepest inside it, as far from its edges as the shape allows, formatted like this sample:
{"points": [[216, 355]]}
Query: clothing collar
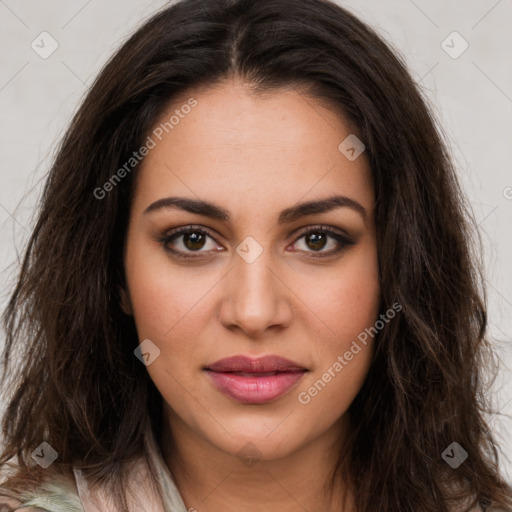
{"points": [[142, 496]]}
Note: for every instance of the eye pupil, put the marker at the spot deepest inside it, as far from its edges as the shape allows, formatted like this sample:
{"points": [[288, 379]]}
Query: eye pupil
{"points": [[193, 240], [318, 240]]}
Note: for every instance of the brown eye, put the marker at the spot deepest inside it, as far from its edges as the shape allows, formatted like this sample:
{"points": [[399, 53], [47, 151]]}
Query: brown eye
{"points": [[316, 241], [183, 242], [318, 238], [194, 240]]}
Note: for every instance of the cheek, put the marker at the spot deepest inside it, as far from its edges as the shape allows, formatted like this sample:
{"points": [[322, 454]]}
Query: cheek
{"points": [[172, 308], [349, 303], [161, 295], [350, 307], [350, 299]]}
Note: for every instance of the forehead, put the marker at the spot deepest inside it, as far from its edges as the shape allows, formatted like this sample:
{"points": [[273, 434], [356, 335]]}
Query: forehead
{"points": [[235, 147]]}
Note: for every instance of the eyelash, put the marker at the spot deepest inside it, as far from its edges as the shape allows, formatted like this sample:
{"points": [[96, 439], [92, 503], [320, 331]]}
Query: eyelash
{"points": [[342, 240]]}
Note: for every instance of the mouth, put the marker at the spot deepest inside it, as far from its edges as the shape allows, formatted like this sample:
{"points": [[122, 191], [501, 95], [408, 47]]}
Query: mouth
{"points": [[255, 381]]}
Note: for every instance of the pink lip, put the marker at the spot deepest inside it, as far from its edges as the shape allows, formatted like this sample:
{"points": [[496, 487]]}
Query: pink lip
{"points": [[255, 381]]}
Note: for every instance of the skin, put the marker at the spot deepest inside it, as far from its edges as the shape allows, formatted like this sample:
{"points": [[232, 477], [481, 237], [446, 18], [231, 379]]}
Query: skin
{"points": [[253, 156]]}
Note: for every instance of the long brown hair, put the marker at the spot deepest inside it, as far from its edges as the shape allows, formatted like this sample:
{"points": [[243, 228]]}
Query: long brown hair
{"points": [[77, 384]]}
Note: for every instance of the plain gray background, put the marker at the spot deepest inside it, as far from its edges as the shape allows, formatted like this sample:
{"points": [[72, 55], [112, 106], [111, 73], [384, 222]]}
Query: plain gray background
{"points": [[471, 92]]}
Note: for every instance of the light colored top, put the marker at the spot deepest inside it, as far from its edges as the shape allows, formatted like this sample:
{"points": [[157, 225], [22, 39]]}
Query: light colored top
{"points": [[73, 495], [62, 494]]}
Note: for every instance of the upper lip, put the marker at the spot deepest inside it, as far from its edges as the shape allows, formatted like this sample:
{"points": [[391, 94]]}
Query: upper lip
{"points": [[271, 363]]}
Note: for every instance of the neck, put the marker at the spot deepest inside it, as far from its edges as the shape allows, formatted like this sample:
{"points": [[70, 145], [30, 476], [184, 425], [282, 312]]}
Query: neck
{"points": [[211, 480]]}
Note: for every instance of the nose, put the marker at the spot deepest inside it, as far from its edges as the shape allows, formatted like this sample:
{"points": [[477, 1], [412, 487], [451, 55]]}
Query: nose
{"points": [[256, 297]]}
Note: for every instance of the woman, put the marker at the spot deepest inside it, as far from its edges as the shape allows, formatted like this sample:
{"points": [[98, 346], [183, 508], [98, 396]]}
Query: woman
{"points": [[251, 283]]}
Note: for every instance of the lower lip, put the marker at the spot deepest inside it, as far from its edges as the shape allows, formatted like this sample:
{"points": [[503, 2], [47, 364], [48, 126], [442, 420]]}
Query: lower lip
{"points": [[255, 390]]}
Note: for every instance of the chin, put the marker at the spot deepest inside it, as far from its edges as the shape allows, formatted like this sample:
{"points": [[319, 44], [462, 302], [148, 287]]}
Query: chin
{"points": [[258, 443]]}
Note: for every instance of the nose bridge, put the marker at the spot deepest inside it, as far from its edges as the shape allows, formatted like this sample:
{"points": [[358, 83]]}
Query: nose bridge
{"points": [[255, 297]]}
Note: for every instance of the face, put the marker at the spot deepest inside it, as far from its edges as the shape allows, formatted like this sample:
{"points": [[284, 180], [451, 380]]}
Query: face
{"points": [[255, 272]]}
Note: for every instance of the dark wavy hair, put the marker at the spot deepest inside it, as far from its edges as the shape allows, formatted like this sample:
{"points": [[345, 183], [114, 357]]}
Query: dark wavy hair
{"points": [[77, 384]]}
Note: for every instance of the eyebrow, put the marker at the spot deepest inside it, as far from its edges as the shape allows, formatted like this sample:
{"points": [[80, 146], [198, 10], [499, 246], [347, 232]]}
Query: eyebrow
{"points": [[288, 215]]}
